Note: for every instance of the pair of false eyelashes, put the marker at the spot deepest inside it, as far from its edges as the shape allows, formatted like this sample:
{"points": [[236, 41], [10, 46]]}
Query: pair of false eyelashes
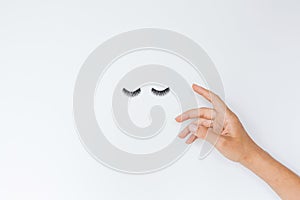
{"points": [[153, 90]]}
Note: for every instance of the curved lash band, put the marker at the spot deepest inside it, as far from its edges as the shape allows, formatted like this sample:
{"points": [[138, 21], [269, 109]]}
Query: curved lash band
{"points": [[160, 92], [131, 93]]}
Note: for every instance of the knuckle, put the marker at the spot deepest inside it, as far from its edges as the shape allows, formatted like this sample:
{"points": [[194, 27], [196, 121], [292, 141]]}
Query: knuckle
{"points": [[200, 112]]}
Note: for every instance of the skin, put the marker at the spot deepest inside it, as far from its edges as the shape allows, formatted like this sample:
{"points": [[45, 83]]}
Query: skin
{"points": [[231, 139]]}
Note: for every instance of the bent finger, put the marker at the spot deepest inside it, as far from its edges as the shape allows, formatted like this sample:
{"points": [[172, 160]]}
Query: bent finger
{"points": [[208, 123], [191, 139], [193, 127], [207, 113], [208, 135], [184, 132]]}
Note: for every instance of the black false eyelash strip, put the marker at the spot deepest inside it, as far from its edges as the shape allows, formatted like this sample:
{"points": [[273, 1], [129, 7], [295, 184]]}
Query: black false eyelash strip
{"points": [[131, 93], [160, 92]]}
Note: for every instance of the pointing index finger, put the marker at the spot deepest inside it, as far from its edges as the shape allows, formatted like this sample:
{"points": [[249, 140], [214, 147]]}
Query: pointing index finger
{"points": [[203, 92]]}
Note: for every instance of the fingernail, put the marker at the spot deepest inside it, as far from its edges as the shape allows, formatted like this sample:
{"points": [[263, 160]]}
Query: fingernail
{"points": [[193, 128]]}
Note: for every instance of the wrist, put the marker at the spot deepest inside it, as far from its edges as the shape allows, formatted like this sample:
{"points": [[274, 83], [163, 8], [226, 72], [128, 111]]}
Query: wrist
{"points": [[252, 155]]}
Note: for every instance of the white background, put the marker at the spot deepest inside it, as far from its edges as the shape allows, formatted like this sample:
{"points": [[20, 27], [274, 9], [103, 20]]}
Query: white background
{"points": [[254, 44]]}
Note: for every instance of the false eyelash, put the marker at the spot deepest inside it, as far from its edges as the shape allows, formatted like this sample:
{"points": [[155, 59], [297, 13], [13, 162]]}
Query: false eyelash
{"points": [[131, 93], [160, 92]]}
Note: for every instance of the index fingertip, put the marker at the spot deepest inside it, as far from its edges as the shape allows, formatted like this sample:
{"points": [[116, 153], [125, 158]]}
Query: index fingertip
{"points": [[197, 88], [194, 85]]}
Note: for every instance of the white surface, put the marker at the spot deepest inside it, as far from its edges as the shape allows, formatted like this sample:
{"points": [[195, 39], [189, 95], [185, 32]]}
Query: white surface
{"points": [[139, 106], [254, 44]]}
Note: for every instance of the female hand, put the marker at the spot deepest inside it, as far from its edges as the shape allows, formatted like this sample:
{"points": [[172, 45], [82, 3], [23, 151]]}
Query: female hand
{"points": [[219, 126], [222, 128]]}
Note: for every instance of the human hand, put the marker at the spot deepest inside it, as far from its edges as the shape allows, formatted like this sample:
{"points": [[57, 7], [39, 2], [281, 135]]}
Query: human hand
{"points": [[222, 128], [219, 126]]}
